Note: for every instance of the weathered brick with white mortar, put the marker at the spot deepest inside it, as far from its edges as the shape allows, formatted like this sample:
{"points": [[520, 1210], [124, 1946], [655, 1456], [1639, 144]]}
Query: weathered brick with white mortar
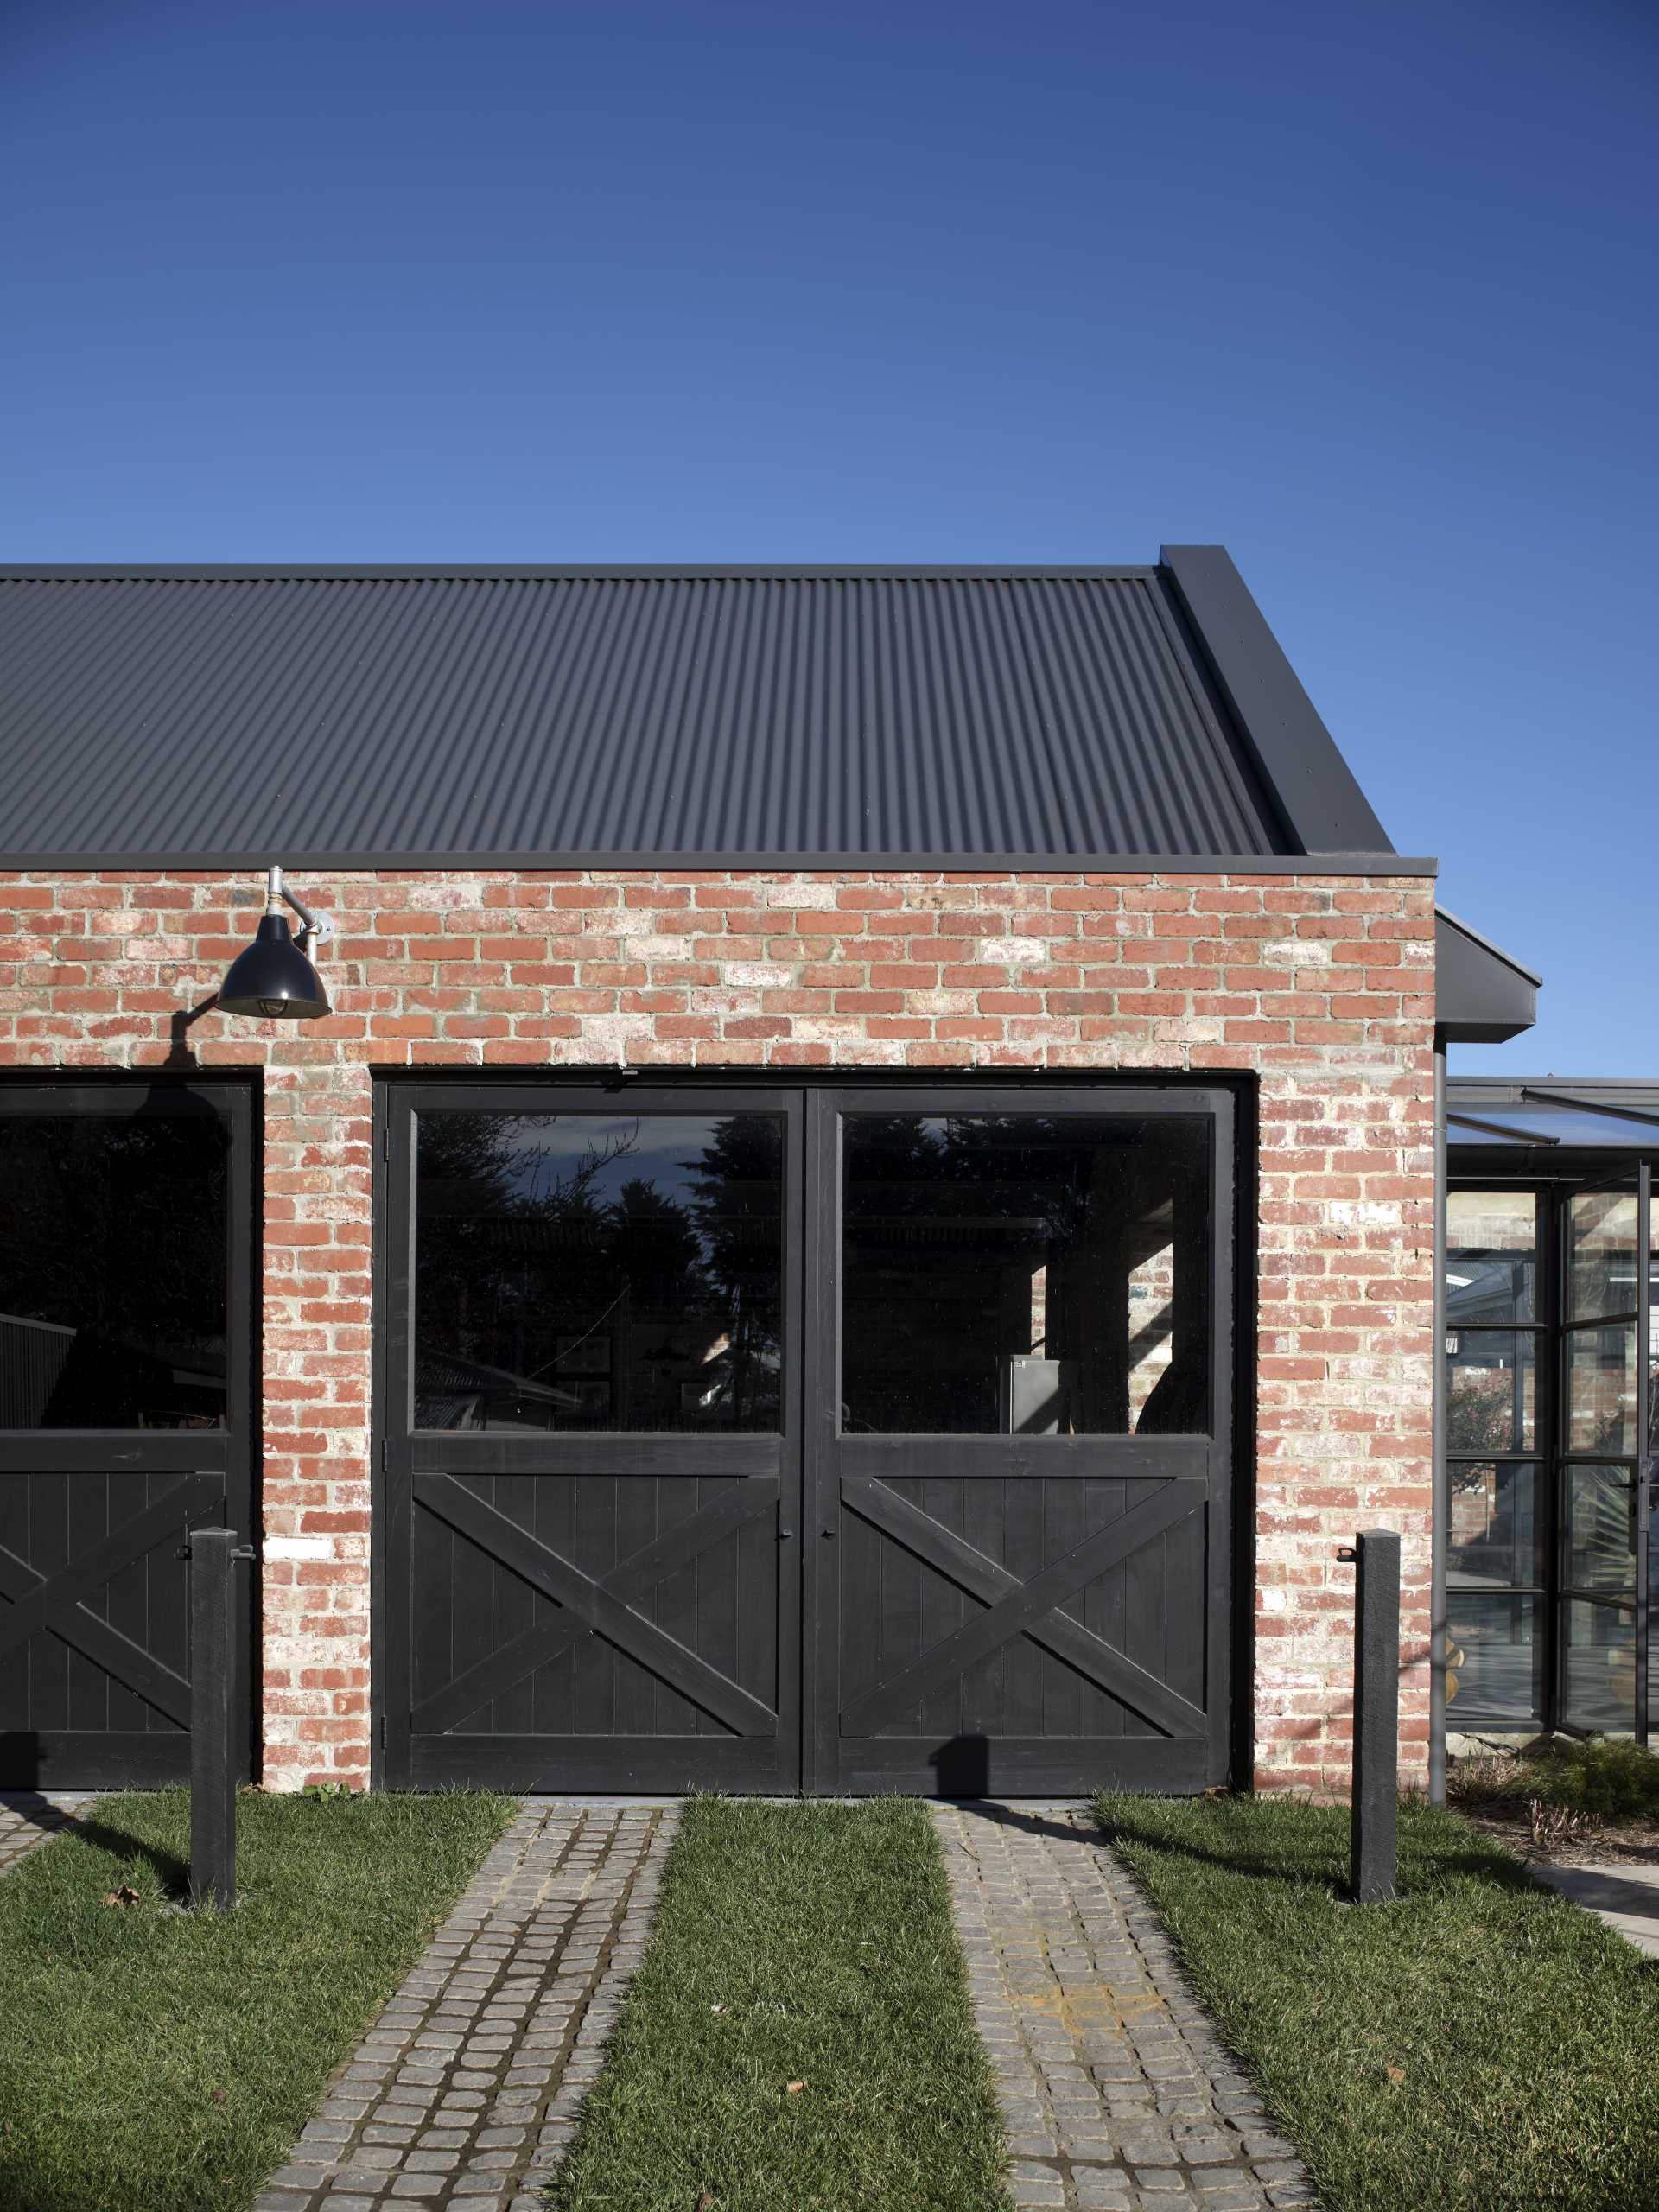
{"points": [[1319, 986]]}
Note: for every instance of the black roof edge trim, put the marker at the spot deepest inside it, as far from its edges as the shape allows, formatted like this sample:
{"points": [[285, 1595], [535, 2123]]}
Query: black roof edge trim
{"points": [[1486, 945], [1481, 996], [1294, 752], [230, 572], [477, 862]]}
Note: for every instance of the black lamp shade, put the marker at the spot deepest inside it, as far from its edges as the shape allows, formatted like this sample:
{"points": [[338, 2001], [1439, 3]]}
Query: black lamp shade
{"points": [[273, 980]]}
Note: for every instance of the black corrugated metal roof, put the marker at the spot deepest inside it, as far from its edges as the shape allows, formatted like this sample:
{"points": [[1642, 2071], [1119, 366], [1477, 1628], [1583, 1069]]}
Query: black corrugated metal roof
{"points": [[216, 716]]}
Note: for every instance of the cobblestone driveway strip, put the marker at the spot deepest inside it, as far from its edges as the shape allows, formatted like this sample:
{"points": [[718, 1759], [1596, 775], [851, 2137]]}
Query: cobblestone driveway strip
{"points": [[1115, 2089], [466, 2090]]}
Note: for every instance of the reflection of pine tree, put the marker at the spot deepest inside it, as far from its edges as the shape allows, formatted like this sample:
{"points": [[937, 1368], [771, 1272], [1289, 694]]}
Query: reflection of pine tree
{"points": [[653, 1241], [738, 1211], [499, 1219]]}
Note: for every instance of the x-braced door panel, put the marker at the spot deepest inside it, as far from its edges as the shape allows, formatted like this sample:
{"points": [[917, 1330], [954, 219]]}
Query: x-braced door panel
{"points": [[1017, 1541], [593, 1455]]}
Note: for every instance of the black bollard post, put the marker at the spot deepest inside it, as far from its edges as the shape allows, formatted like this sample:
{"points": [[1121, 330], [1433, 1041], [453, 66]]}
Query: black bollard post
{"points": [[1376, 1786], [212, 1717]]}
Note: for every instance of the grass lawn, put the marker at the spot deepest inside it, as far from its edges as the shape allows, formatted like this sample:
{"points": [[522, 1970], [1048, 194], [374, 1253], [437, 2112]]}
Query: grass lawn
{"points": [[802, 1945], [160, 2061], [1478, 2046]]}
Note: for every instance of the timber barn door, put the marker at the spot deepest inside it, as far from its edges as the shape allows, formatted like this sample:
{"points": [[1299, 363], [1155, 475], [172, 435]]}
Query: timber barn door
{"points": [[125, 1242], [834, 1440]]}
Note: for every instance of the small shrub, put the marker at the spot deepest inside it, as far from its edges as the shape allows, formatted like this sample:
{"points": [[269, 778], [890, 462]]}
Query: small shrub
{"points": [[1604, 1777], [1607, 1776]]}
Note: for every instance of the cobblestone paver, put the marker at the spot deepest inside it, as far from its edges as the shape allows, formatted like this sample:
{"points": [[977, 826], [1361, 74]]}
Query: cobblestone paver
{"points": [[1116, 2091], [26, 1819], [466, 2090]]}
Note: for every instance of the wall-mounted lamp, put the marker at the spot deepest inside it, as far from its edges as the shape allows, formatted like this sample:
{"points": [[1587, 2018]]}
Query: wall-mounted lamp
{"points": [[274, 980]]}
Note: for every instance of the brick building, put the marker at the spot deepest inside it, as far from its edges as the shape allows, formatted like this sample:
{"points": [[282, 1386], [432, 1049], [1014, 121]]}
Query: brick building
{"points": [[861, 1215]]}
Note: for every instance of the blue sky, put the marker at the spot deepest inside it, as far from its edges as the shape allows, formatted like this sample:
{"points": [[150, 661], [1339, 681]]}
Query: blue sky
{"points": [[1366, 293]]}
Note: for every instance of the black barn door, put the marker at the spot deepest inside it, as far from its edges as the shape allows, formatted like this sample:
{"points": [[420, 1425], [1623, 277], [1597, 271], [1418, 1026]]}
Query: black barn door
{"points": [[591, 1436], [988, 1329], [1017, 1541], [125, 1403]]}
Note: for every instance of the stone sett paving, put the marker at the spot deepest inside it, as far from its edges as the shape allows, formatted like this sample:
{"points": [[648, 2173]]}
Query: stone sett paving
{"points": [[466, 2090], [26, 1819], [1116, 2091]]}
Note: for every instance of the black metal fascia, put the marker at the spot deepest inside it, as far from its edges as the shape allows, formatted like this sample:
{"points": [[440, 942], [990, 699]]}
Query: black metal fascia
{"points": [[1315, 791], [464, 860], [1482, 997]]}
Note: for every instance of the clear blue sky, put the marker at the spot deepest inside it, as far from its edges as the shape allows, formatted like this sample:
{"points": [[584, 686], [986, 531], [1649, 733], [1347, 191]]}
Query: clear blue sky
{"points": [[1366, 293]]}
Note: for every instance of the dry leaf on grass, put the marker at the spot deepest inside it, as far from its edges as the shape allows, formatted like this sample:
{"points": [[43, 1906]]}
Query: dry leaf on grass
{"points": [[124, 1895], [792, 2088], [1395, 2073], [706, 2201]]}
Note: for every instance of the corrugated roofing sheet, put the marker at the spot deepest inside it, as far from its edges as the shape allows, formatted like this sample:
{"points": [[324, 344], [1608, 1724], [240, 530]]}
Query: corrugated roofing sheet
{"points": [[365, 716]]}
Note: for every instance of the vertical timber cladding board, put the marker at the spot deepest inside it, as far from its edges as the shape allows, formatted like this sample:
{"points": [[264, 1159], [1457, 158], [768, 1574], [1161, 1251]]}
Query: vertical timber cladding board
{"points": [[1320, 986]]}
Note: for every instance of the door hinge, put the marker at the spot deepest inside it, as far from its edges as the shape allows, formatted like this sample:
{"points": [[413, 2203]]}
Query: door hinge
{"points": [[383, 1456], [385, 1141], [382, 1731]]}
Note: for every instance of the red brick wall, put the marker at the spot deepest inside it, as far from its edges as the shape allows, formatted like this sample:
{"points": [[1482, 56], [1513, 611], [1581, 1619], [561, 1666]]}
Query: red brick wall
{"points": [[1319, 985]]}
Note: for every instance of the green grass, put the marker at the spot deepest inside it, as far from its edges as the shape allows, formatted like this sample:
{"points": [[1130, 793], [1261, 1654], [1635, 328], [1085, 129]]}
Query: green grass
{"points": [[803, 1943], [1478, 2046], [155, 2061]]}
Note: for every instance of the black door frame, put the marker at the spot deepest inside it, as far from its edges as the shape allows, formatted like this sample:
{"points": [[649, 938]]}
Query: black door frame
{"points": [[1037, 1766], [1230, 1100], [404, 1456], [214, 1466]]}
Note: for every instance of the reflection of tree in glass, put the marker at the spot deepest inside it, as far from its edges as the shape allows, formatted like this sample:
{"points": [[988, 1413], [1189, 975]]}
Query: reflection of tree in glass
{"points": [[737, 1209], [1481, 1412], [536, 1261]]}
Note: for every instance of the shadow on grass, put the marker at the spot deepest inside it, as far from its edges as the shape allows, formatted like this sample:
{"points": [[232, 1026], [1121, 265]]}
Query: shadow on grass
{"points": [[172, 1871], [1318, 1864]]}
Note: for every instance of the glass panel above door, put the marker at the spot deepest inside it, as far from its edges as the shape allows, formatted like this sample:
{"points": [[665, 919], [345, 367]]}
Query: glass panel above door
{"points": [[1491, 1258], [1601, 1232], [113, 1258], [1030, 1274], [598, 1271]]}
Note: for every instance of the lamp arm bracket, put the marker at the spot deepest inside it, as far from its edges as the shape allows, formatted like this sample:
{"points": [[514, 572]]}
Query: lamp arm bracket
{"points": [[318, 926]]}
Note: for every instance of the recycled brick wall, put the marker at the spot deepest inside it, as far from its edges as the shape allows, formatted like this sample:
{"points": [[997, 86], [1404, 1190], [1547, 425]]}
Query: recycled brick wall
{"points": [[1320, 987]]}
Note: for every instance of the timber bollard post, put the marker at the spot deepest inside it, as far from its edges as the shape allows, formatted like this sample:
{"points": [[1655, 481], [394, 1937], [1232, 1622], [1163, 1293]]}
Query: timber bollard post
{"points": [[1376, 1787], [212, 1554]]}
